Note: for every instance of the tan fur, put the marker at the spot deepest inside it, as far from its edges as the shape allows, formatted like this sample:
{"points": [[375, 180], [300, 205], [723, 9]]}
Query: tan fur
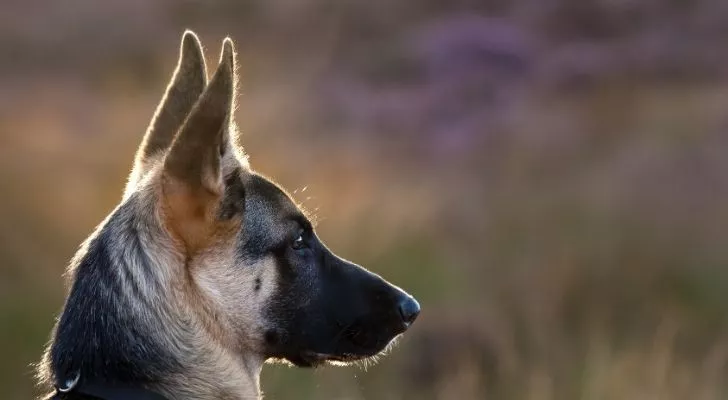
{"points": [[206, 308], [208, 291], [190, 216]]}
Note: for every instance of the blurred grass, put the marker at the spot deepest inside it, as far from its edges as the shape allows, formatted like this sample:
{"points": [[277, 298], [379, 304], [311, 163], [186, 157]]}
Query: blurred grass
{"points": [[568, 290], [570, 244], [579, 295]]}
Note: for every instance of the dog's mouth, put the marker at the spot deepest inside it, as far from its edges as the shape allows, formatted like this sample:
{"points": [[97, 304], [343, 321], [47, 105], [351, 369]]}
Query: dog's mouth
{"points": [[310, 359], [313, 359], [358, 349]]}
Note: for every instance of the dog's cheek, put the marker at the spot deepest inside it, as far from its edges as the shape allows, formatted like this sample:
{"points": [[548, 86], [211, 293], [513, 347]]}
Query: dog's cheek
{"points": [[258, 289], [293, 311], [264, 288], [247, 289], [237, 293]]}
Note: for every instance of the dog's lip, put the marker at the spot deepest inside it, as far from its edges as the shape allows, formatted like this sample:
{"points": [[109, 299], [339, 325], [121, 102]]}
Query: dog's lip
{"points": [[316, 358], [355, 352], [311, 359]]}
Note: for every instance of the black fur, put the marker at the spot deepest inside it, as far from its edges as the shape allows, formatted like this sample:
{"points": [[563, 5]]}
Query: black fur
{"points": [[95, 335], [348, 311], [71, 396]]}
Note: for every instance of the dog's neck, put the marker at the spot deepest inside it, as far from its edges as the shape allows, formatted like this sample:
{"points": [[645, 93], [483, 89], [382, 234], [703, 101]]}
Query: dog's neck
{"points": [[217, 376], [122, 302], [211, 370]]}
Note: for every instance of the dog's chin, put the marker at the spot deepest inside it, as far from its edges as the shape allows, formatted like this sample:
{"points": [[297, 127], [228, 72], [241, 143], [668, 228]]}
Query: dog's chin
{"points": [[312, 359]]}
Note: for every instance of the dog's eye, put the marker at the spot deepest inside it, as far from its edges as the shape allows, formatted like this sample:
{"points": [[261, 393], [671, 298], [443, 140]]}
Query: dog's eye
{"points": [[299, 243]]}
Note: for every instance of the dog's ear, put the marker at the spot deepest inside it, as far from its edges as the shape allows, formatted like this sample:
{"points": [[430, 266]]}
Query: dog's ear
{"points": [[192, 173], [187, 83]]}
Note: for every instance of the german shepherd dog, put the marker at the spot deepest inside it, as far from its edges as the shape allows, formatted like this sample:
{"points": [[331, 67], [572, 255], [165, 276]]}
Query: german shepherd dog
{"points": [[207, 269]]}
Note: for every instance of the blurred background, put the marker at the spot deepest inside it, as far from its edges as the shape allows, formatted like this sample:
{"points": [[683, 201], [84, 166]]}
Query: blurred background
{"points": [[548, 177]]}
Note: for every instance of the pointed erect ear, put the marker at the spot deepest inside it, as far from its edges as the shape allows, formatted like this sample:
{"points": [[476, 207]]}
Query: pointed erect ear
{"points": [[194, 157], [188, 82], [192, 181]]}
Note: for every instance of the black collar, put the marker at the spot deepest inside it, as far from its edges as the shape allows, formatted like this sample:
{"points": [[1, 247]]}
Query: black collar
{"points": [[91, 390]]}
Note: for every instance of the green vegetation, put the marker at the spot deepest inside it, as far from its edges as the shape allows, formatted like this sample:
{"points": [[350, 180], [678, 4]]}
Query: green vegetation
{"points": [[558, 206]]}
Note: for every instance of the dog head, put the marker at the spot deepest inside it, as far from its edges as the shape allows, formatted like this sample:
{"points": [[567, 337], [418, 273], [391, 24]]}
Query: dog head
{"points": [[253, 268]]}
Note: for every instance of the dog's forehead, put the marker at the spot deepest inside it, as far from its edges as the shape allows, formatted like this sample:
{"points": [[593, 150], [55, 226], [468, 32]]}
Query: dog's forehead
{"points": [[264, 193], [269, 204]]}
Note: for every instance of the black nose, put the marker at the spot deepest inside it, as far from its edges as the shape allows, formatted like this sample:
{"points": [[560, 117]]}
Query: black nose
{"points": [[409, 309]]}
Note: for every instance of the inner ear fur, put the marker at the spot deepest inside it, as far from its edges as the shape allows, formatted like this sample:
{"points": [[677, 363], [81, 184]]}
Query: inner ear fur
{"points": [[192, 179]]}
